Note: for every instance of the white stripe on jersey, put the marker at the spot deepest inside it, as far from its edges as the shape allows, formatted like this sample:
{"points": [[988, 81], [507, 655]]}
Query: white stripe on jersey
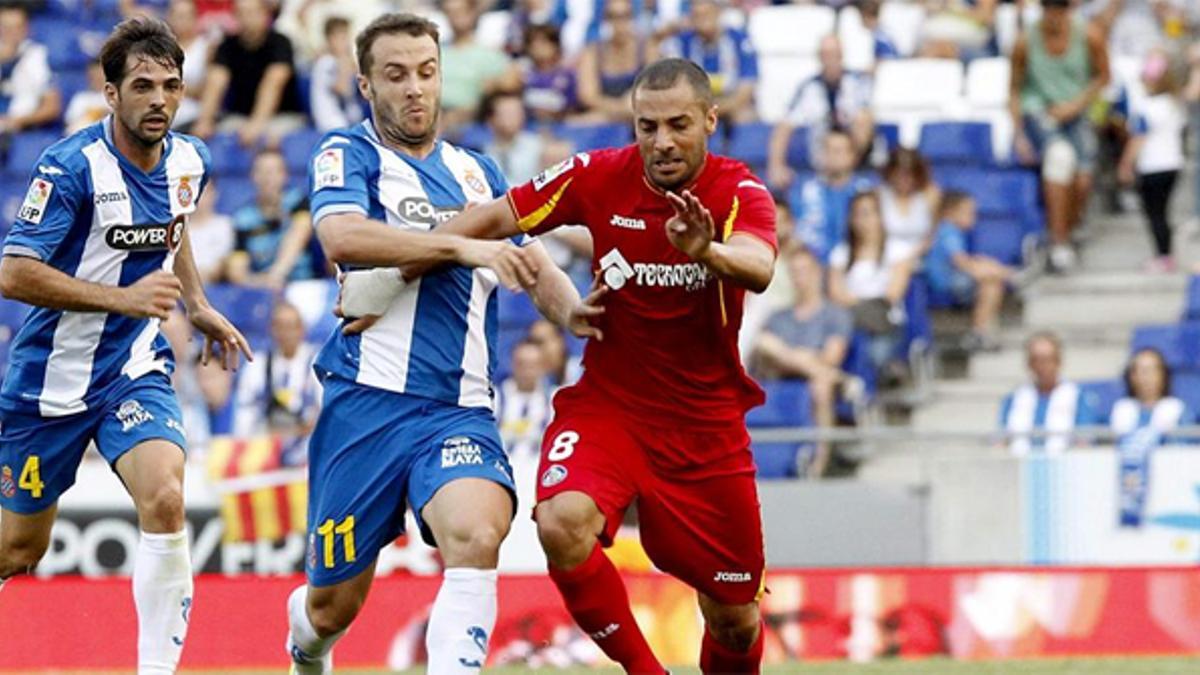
{"points": [[474, 388], [385, 347], [183, 163], [77, 336]]}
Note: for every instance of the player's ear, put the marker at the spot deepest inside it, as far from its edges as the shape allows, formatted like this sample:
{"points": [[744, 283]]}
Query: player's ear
{"points": [[111, 95], [710, 120], [364, 86]]}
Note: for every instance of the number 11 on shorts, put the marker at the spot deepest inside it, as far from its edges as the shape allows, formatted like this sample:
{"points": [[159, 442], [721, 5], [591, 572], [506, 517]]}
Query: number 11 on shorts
{"points": [[328, 531]]}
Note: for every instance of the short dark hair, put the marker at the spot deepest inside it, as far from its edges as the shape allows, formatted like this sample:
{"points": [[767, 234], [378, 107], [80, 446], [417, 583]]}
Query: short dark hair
{"points": [[11, 5], [335, 23], [140, 36], [487, 107], [952, 199], [543, 30], [907, 159], [666, 73], [390, 24], [1163, 366]]}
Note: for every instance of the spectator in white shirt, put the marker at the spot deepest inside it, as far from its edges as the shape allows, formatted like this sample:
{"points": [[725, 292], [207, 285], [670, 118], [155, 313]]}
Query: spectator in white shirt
{"points": [[198, 48], [28, 97], [278, 392], [212, 236], [334, 100], [523, 406], [88, 106], [833, 99]]}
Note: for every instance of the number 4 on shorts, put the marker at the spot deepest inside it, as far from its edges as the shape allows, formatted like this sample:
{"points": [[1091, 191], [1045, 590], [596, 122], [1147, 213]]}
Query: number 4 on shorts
{"points": [[563, 446], [31, 477]]}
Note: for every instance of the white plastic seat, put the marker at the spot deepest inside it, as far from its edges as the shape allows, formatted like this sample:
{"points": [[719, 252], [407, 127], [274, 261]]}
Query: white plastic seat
{"points": [[794, 30], [902, 22], [779, 77]]}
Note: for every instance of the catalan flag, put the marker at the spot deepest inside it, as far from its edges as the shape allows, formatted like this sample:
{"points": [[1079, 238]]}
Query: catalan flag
{"points": [[261, 499]]}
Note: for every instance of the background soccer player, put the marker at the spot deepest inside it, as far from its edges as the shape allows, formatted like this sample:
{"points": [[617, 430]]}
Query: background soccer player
{"points": [[659, 414], [407, 404], [100, 249]]}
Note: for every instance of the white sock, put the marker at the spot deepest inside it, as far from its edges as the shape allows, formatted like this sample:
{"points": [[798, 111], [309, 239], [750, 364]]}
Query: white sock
{"points": [[162, 592], [306, 649], [461, 622]]}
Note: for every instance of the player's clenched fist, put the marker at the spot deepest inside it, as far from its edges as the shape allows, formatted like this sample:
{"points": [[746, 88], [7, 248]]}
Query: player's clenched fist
{"points": [[153, 296]]}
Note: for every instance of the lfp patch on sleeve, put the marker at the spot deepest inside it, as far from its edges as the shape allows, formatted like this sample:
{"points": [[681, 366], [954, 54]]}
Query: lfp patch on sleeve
{"points": [[34, 207], [329, 169]]}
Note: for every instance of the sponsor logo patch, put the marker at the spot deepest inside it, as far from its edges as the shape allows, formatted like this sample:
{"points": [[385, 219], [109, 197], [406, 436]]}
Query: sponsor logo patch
{"points": [[732, 577], [34, 206], [7, 487], [329, 169], [131, 414], [146, 237], [420, 211], [547, 176], [460, 451], [110, 197], [606, 631], [556, 474]]}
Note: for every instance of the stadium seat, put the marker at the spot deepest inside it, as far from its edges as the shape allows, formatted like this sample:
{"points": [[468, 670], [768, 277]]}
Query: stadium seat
{"points": [[248, 308], [1000, 238], [594, 136], [61, 38], [988, 82], [297, 148], [233, 194], [492, 29], [475, 136], [515, 309], [1192, 304], [71, 82], [791, 30], [918, 330], [506, 339], [788, 405], [12, 314], [902, 22], [858, 44], [315, 299], [748, 142], [896, 97], [27, 148], [1170, 340], [957, 143], [1102, 394], [228, 156], [999, 193], [779, 78], [799, 151]]}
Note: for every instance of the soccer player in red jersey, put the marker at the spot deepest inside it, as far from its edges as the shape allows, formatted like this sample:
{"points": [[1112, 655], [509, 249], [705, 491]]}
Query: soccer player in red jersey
{"points": [[659, 413]]}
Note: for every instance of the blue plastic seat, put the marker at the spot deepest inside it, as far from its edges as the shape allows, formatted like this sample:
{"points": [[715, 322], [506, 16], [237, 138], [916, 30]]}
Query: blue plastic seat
{"points": [[515, 309], [594, 136], [788, 405], [61, 38], [297, 148], [228, 156], [957, 143], [234, 193], [748, 143], [999, 238], [27, 148], [1168, 339], [1192, 304], [474, 136], [1102, 394], [248, 308]]}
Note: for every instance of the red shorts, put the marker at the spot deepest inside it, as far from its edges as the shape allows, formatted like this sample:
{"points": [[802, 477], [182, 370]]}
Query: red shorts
{"points": [[699, 521]]}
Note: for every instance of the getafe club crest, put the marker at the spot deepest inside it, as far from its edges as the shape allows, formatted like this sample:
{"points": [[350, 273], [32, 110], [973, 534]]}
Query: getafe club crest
{"points": [[184, 192]]}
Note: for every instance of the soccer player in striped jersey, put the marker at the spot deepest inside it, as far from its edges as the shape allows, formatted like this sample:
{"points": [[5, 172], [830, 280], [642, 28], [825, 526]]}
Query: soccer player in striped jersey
{"points": [[407, 411], [100, 249]]}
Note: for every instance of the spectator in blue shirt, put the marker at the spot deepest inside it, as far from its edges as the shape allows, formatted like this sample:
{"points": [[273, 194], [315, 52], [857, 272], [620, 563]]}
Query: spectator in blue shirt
{"points": [[726, 54], [808, 341], [1048, 403], [274, 234], [885, 48], [821, 204], [965, 278]]}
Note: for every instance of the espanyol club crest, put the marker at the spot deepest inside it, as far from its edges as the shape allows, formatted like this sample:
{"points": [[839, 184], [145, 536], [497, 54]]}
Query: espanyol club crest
{"points": [[7, 487], [476, 183], [184, 192]]}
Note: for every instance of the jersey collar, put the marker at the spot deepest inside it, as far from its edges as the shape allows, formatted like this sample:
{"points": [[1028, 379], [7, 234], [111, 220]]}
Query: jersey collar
{"points": [[374, 136], [124, 161], [691, 184]]}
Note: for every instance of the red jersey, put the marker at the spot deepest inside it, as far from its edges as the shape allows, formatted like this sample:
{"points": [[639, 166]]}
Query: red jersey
{"points": [[669, 355]]}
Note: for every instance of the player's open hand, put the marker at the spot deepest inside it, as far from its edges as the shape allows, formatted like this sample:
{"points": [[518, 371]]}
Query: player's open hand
{"points": [[579, 320], [514, 265], [153, 296], [691, 229], [219, 336]]}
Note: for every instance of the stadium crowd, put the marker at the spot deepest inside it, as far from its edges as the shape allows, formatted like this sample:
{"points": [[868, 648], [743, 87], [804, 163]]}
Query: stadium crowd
{"points": [[924, 155]]}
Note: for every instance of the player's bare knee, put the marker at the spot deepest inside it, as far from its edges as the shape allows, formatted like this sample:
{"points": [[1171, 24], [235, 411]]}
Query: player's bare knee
{"points": [[567, 529], [20, 557], [734, 626], [473, 544], [333, 612], [162, 509]]}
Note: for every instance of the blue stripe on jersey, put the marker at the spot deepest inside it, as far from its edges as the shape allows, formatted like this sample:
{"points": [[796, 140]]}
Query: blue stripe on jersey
{"points": [[435, 367]]}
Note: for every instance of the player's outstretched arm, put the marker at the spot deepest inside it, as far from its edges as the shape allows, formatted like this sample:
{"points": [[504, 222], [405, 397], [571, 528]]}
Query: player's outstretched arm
{"points": [[743, 259], [216, 329], [33, 282], [558, 300]]}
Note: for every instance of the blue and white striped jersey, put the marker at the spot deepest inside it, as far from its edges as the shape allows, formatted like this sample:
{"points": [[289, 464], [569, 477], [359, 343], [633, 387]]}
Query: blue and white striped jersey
{"points": [[437, 340], [90, 213]]}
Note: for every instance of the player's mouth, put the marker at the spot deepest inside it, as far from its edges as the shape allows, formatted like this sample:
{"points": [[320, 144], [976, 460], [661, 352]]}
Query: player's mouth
{"points": [[669, 165], [155, 122]]}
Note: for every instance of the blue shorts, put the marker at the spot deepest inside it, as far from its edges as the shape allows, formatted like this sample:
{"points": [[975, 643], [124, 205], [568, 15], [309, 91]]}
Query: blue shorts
{"points": [[958, 289], [40, 455], [371, 451], [1080, 134]]}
